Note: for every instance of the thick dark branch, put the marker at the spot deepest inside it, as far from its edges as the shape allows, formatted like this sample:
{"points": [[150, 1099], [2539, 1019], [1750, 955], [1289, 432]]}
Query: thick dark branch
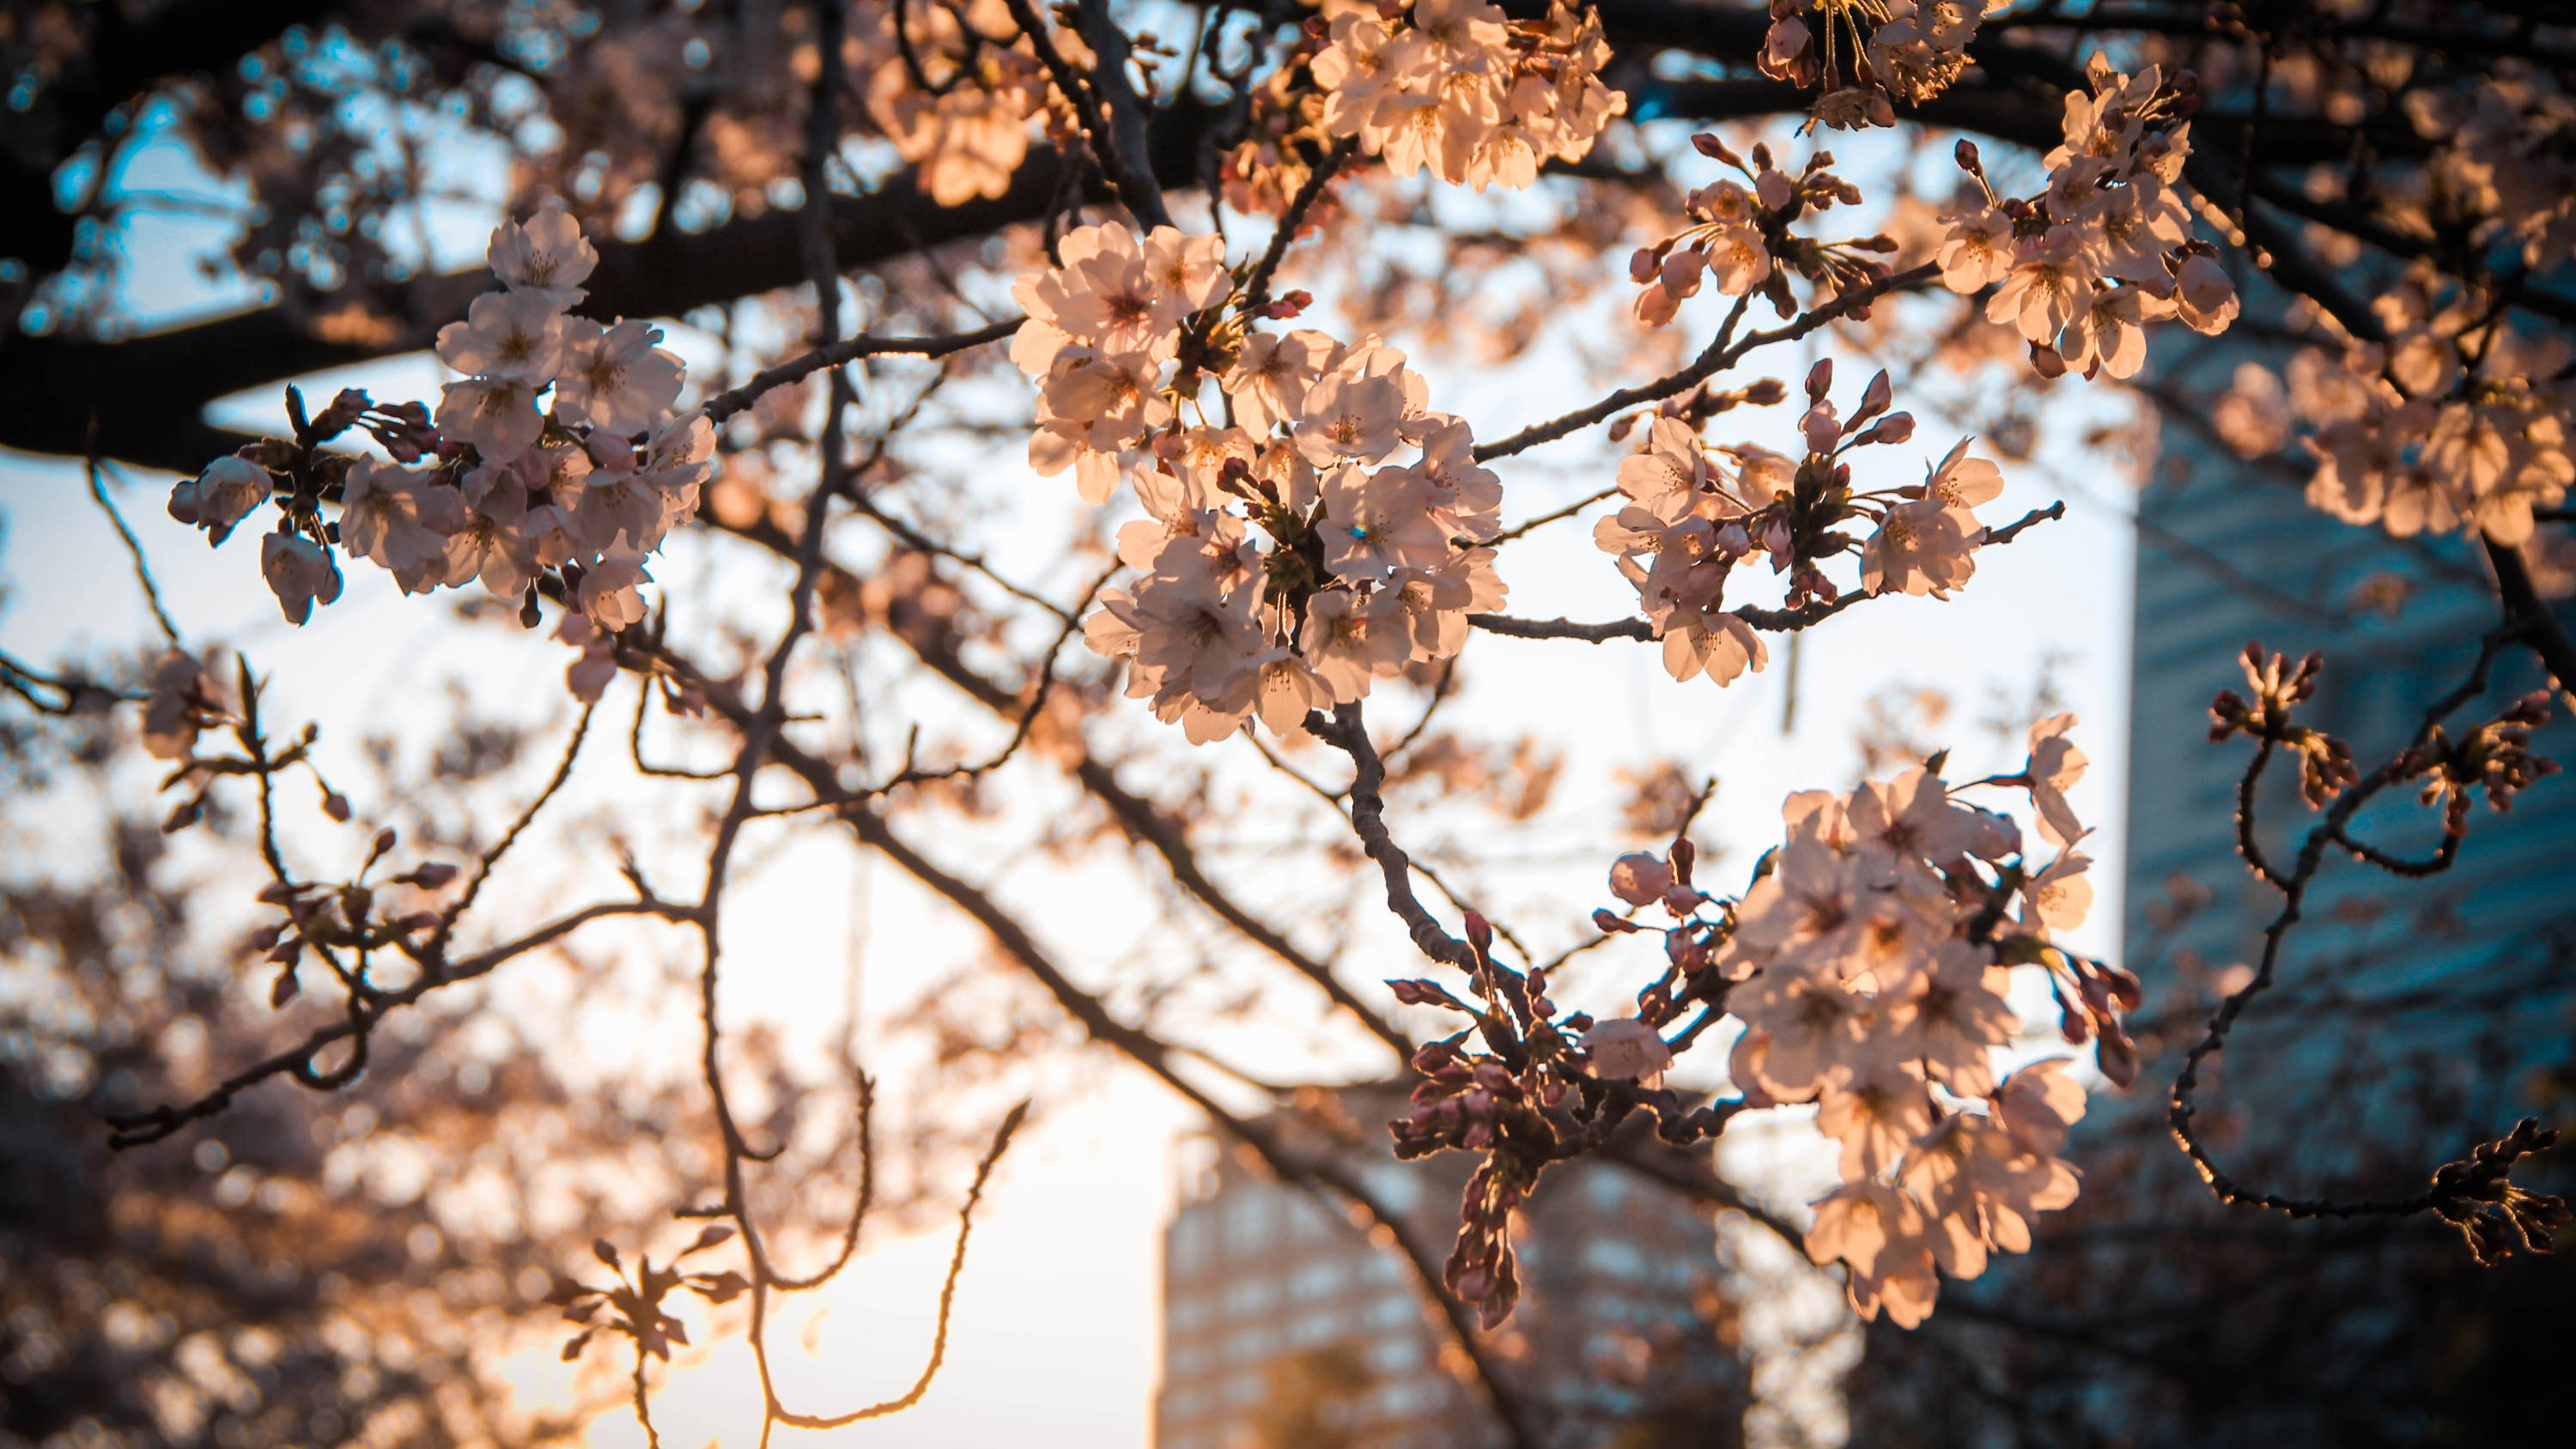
{"points": [[1347, 731]]}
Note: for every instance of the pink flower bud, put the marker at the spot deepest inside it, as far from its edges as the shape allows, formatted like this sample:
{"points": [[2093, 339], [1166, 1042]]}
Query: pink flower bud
{"points": [[1639, 879], [430, 877], [1480, 934], [1820, 379], [1821, 428], [1875, 398]]}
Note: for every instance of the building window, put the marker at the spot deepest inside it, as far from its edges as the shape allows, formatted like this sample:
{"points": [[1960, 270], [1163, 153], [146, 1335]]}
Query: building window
{"points": [[1193, 1235], [1187, 1361], [1246, 1345], [1392, 1310], [1251, 1296], [1248, 1218], [1404, 1400], [1245, 1388], [1395, 1355], [1620, 1260], [1187, 1314], [1323, 1278], [1313, 1329], [1398, 1186]]}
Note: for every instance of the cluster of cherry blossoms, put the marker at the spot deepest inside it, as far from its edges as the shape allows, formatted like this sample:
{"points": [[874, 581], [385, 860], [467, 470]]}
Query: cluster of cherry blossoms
{"points": [[1863, 52], [2501, 172], [2106, 246], [1875, 958], [1691, 516], [955, 101], [1454, 86], [1739, 238], [1373, 508], [493, 488], [2454, 422], [1869, 964], [2493, 759]]}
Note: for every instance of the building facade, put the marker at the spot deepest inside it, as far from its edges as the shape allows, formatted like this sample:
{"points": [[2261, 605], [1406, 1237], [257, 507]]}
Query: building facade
{"points": [[1285, 1323]]}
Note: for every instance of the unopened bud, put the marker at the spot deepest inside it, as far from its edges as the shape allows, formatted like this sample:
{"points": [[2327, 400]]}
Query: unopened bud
{"points": [[336, 805], [1965, 153], [430, 877], [1715, 149], [385, 840], [1820, 379]]}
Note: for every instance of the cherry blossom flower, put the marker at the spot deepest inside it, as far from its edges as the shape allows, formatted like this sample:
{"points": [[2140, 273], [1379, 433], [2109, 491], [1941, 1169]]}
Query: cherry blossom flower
{"points": [[300, 572], [1882, 1234], [1628, 1050], [495, 546], [221, 497], [1349, 639], [507, 334], [1719, 645], [609, 595], [1876, 1115], [1271, 374], [1377, 523], [498, 415], [1349, 418], [400, 520], [2059, 897], [1953, 1013], [1802, 1032], [2038, 1103], [2205, 294], [1920, 548], [1978, 251], [184, 700], [2054, 767], [2048, 287], [615, 379], [1971, 1171], [546, 255], [1288, 690]]}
